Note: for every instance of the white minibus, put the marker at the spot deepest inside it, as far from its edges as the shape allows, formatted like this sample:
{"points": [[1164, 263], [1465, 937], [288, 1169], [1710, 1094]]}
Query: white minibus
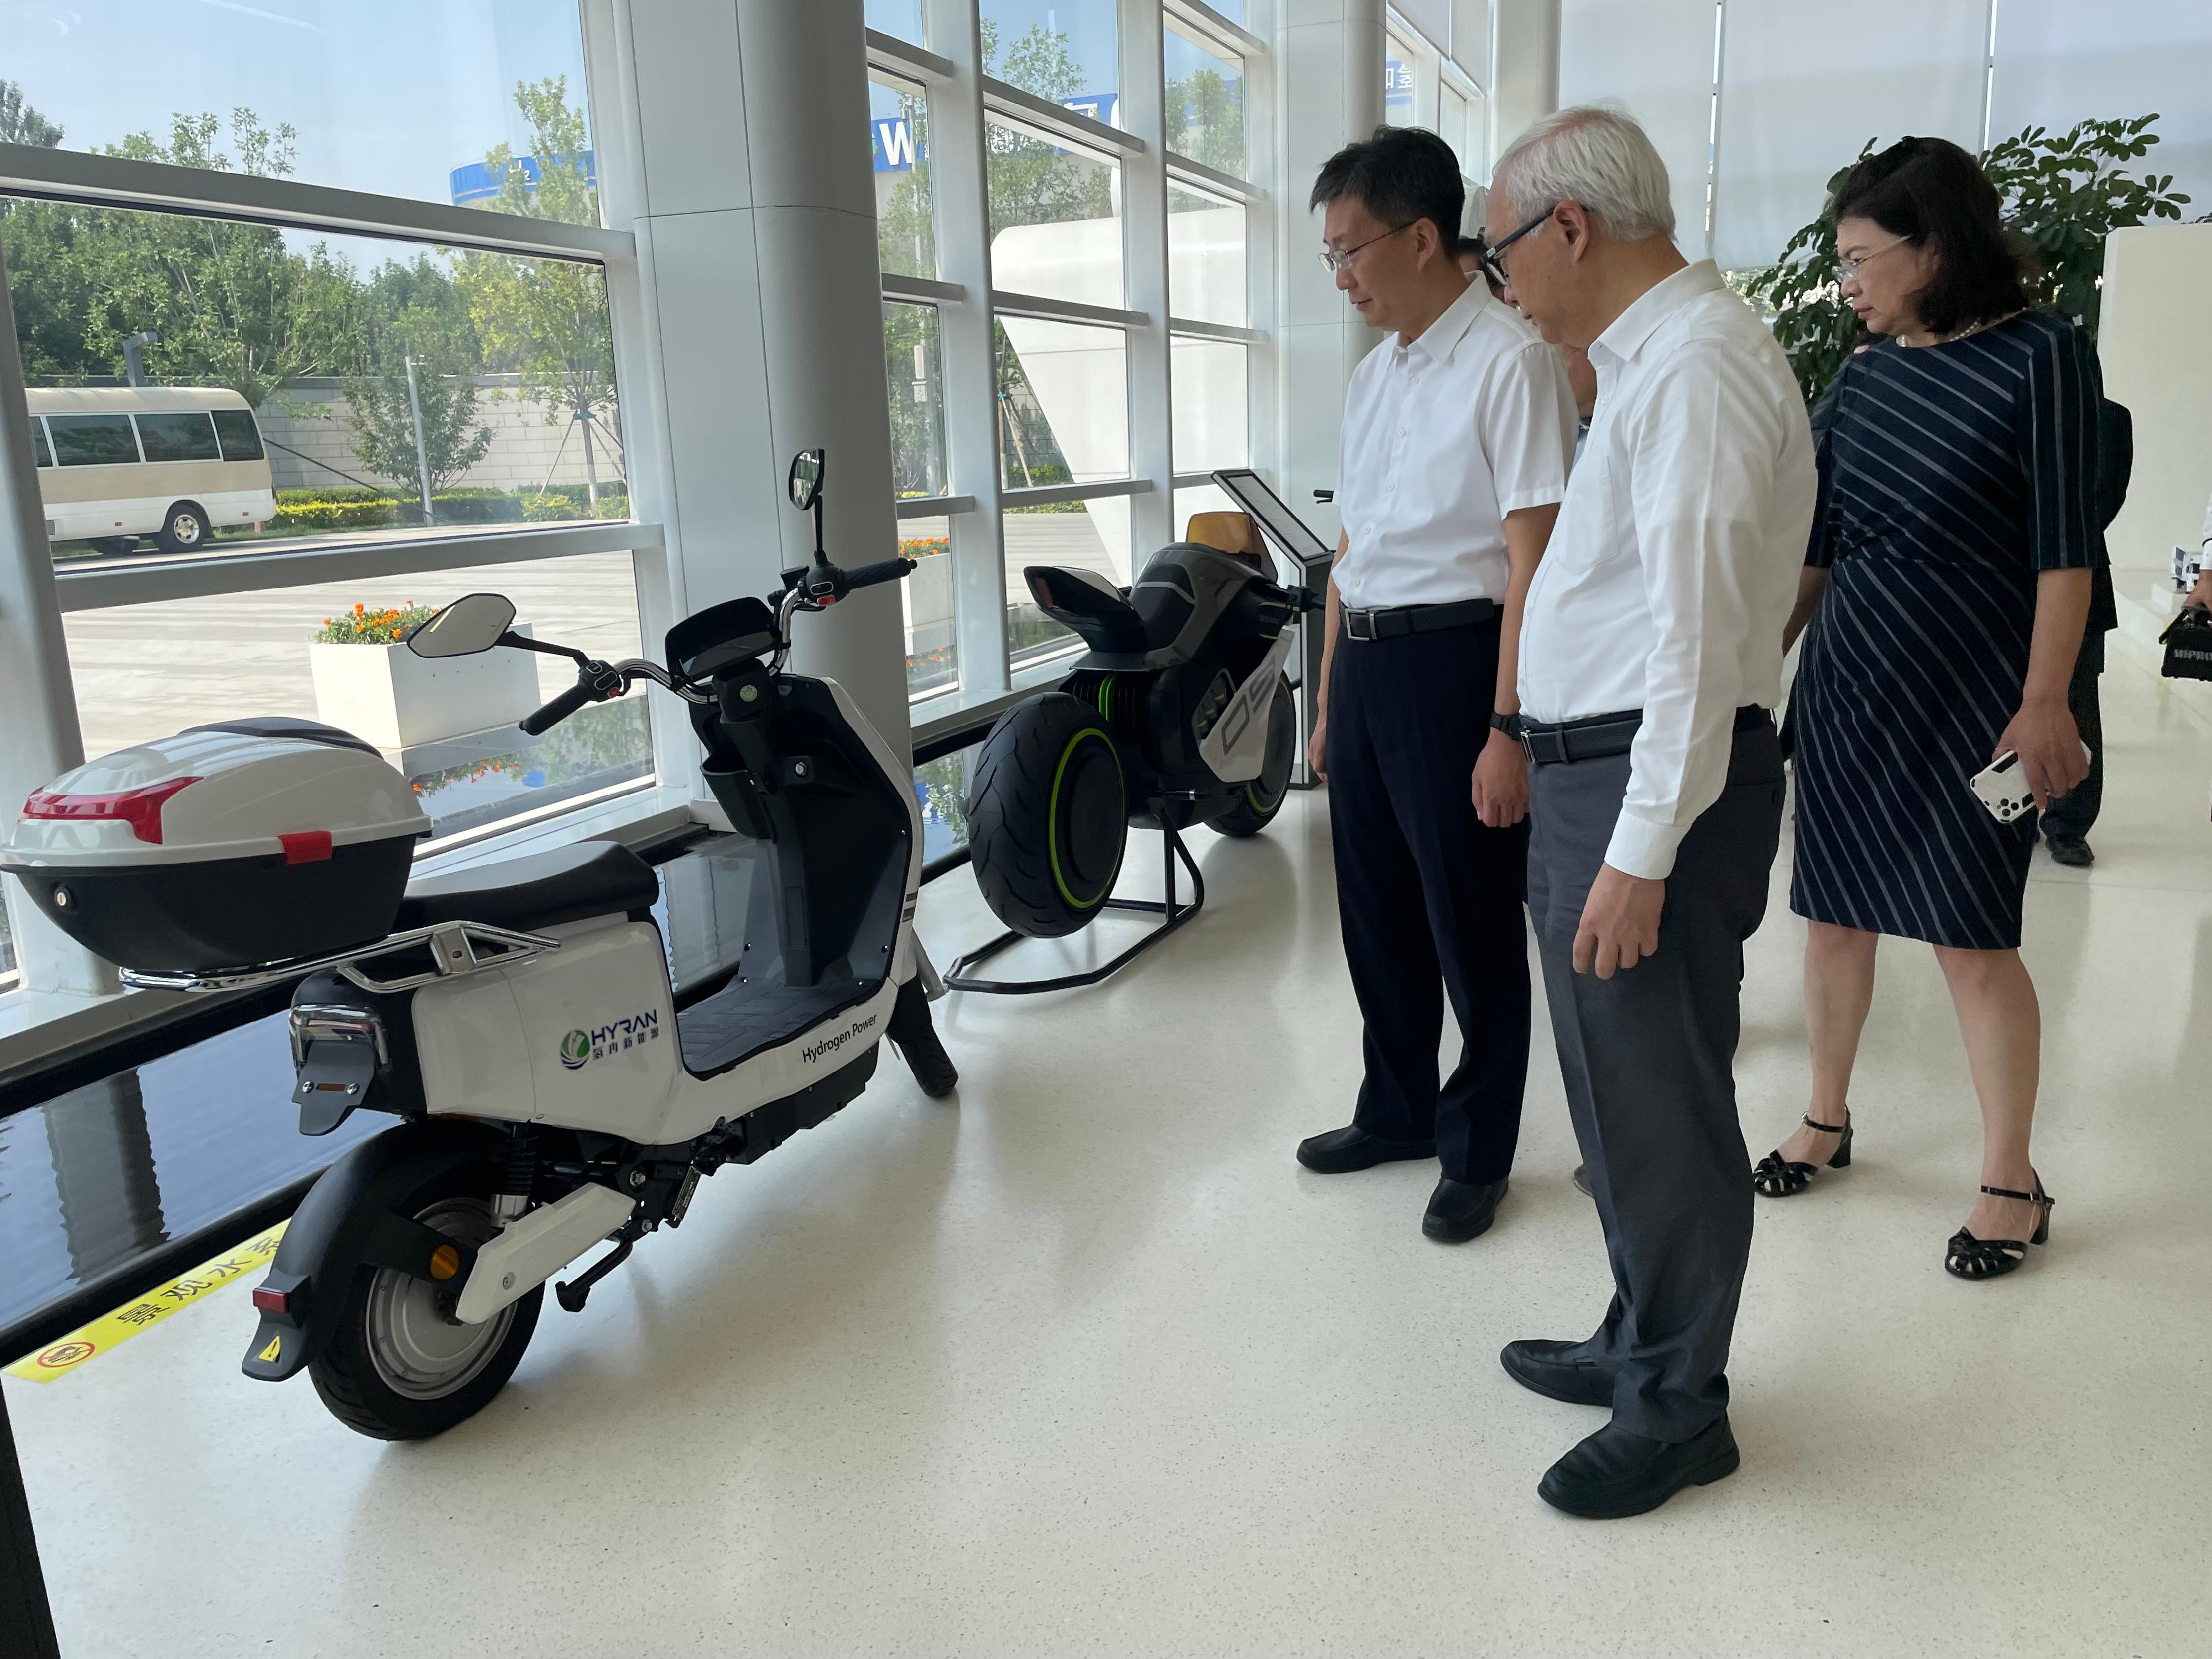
{"points": [[175, 463]]}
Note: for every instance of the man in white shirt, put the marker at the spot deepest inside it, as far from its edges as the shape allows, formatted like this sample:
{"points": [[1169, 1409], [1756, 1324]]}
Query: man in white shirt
{"points": [[1651, 661], [1458, 430]]}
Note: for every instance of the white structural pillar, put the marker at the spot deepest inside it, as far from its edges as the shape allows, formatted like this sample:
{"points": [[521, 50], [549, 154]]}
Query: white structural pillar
{"points": [[1328, 91], [38, 701], [756, 265], [1528, 67]]}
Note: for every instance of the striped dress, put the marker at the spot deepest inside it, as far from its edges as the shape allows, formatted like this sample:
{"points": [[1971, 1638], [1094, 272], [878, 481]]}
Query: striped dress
{"points": [[1950, 476]]}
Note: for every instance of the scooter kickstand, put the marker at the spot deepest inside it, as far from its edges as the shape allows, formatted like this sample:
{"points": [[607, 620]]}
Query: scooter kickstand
{"points": [[572, 1295]]}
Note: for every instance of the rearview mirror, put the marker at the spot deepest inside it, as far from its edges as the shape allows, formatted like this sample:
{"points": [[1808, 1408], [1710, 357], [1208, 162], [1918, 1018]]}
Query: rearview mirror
{"points": [[806, 478], [465, 627]]}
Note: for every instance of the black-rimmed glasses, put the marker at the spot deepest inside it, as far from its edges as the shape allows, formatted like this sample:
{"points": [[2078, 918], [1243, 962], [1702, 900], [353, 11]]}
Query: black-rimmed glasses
{"points": [[1492, 258]]}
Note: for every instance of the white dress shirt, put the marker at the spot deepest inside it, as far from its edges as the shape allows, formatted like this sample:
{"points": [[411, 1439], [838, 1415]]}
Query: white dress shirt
{"points": [[1674, 566], [1443, 438]]}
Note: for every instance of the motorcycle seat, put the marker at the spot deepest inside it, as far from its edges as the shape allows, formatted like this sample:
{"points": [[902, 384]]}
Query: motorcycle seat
{"points": [[570, 883]]}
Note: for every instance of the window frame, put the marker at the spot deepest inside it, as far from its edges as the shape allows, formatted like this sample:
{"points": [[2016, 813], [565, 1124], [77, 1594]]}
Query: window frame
{"points": [[963, 104], [45, 737]]}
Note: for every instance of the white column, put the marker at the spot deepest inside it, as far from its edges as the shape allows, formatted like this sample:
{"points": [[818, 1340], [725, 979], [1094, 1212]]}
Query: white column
{"points": [[1329, 90], [756, 267], [41, 736], [1528, 67]]}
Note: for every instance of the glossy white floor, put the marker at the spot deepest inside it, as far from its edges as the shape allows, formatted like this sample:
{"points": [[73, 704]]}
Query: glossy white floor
{"points": [[1085, 1364]]}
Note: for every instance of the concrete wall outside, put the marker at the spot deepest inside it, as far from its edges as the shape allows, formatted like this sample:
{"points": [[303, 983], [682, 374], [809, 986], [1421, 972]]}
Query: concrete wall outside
{"points": [[311, 416]]}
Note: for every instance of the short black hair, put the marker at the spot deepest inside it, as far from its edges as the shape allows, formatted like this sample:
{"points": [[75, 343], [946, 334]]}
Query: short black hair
{"points": [[1400, 174], [1930, 191]]}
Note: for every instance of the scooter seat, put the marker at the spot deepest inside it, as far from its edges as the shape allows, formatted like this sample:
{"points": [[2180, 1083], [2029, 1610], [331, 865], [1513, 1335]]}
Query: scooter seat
{"points": [[591, 878]]}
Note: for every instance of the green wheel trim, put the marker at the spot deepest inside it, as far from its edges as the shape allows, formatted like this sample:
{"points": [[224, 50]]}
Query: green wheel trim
{"points": [[1052, 819]]}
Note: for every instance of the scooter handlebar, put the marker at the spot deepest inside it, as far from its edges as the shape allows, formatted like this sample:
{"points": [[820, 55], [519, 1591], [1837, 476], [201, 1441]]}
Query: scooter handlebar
{"points": [[538, 723], [884, 570]]}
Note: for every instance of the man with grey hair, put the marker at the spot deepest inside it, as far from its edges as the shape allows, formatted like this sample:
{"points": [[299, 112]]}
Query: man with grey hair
{"points": [[1651, 661]]}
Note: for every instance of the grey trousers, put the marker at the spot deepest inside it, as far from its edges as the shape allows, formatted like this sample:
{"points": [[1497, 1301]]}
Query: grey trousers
{"points": [[1648, 1057]]}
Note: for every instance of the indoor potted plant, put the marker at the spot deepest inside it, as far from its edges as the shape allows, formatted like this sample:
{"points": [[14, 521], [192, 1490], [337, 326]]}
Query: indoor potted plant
{"points": [[369, 683]]}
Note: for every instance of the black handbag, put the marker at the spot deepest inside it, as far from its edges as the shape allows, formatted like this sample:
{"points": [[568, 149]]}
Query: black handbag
{"points": [[2188, 642]]}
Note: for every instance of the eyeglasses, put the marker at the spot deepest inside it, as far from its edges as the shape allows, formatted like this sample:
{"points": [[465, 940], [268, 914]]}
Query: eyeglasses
{"points": [[1849, 268], [1337, 260], [1493, 258]]}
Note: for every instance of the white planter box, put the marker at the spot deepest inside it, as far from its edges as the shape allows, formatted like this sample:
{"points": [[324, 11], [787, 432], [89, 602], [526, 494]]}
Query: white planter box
{"points": [[397, 699]]}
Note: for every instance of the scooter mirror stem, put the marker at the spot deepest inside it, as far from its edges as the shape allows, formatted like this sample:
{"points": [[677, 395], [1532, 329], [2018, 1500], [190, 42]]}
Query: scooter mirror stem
{"points": [[546, 647]]}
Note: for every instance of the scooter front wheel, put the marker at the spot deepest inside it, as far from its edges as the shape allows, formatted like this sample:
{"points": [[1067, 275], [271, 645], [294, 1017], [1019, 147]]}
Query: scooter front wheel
{"points": [[398, 1366]]}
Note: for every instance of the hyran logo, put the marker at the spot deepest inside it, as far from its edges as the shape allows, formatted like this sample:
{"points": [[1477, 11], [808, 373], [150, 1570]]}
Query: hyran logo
{"points": [[580, 1047]]}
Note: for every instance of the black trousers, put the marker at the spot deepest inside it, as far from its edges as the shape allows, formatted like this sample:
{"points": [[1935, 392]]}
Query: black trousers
{"points": [[1648, 1059], [2075, 813], [1429, 898]]}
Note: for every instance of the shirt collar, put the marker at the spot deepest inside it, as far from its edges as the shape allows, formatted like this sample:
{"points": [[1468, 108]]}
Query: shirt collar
{"points": [[1627, 333], [1440, 338]]}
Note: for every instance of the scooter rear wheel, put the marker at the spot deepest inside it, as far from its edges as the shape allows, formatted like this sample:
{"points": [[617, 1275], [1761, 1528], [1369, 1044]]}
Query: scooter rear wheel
{"points": [[398, 1366], [1049, 818], [1258, 801]]}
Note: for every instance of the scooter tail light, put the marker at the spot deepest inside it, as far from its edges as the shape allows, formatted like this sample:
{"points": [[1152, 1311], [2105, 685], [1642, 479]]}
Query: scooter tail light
{"points": [[139, 808], [273, 1301]]}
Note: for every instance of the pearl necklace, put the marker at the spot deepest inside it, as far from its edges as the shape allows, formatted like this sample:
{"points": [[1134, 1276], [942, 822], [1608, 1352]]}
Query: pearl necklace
{"points": [[1971, 328]]}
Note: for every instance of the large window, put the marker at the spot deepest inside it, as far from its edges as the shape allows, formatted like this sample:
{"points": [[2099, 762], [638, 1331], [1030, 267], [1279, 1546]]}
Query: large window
{"points": [[1205, 100], [455, 101], [269, 434], [1054, 380], [1056, 218], [291, 389]]}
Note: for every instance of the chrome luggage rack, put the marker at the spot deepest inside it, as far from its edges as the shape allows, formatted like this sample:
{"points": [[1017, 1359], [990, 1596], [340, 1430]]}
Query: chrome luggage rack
{"points": [[453, 946]]}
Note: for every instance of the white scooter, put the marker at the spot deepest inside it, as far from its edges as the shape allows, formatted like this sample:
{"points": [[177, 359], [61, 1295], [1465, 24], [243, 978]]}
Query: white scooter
{"points": [[557, 1088]]}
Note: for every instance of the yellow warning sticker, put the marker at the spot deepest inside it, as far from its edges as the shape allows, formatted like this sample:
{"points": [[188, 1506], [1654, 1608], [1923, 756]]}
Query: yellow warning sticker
{"points": [[110, 1330]]}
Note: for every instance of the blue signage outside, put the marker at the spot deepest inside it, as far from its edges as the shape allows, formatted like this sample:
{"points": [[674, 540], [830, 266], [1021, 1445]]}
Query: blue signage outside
{"points": [[478, 183], [896, 149], [1397, 82]]}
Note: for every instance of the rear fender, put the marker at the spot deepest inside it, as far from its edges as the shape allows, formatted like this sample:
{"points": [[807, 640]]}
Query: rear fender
{"points": [[349, 1221]]}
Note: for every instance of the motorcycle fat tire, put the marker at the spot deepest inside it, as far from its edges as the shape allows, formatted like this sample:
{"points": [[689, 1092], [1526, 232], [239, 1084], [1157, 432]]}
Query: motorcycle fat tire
{"points": [[1049, 816]]}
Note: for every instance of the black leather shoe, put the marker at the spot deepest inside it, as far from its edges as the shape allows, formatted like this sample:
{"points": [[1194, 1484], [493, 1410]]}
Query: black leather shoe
{"points": [[1461, 1210], [1615, 1473], [1581, 1181], [1342, 1151], [2071, 850], [1539, 1366]]}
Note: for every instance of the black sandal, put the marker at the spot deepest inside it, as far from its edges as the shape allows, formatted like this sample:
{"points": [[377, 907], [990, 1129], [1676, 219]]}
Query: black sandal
{"points": [[1777, 1176], [1968, 1257]]}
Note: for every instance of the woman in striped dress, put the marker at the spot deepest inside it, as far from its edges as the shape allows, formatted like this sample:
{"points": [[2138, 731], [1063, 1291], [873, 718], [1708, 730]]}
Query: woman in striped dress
{"points": [[1946, 590]]}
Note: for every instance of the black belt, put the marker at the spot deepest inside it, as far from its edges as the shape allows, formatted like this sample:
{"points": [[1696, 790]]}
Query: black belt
{"points": [[1562, 743], [1395, 620]]}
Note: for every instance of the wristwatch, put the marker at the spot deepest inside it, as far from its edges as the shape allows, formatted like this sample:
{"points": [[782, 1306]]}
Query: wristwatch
{"points": [[1508, 724]]}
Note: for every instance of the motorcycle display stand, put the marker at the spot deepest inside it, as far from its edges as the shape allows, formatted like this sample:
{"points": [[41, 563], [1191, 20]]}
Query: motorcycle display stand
{"points": [[1175, 915]]}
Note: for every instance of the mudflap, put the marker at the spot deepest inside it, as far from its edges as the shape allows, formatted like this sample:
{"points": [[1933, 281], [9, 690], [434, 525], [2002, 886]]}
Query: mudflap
{"points": [[348, 1221]]}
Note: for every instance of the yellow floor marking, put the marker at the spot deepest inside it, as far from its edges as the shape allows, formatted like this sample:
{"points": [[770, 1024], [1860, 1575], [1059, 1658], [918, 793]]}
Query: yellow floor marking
{"points": [[111, 1330]]}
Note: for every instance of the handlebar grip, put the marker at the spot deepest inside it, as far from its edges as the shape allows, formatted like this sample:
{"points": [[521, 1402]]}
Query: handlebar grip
{"points": [[538, 723], [884, 570]]}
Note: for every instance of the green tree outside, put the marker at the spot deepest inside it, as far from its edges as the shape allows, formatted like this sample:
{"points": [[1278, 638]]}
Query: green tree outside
{"points": [[545, 320]]}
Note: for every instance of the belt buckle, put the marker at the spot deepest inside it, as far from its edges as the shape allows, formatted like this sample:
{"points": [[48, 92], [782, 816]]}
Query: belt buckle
{"points": [[1353, 620]]}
